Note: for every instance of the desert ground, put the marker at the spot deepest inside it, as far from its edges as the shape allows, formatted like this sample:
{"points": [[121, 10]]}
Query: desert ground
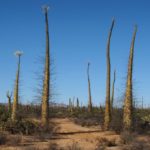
{"points": [[70, 136]]}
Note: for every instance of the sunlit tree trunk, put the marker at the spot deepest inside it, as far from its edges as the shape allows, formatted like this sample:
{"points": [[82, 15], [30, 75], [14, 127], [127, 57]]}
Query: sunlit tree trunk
{"points": [[113, 90], [9, 96], [107, 117], [16, 93], [46, 84], [89, 91], [128, 101], [78, 103]]}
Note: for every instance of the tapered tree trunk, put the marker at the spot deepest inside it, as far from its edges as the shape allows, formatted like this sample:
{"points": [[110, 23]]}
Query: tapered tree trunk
{"points": [[128, 101], [9, 102], [89, 90], [46, 84], [107, 117], [70, 105], [78, 103], [113, 90], [16, 94]]}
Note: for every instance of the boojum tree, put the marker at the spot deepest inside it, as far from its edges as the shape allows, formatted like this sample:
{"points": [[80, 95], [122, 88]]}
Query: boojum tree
{"points": [[107, 117], [46, 81], [128, 101], [113, 90], [89, 90], [14, 114], [78, 103], [9, 97], [70, 105]]}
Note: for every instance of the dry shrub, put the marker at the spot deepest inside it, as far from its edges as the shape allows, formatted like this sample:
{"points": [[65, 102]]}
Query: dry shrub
{"points": [[15, 140], [52, 146], [127, 137], [3, 139], [21, 127], [74, 146], [43, 136], [116, 122], [10, 140], [135, 146], [104, 142]]}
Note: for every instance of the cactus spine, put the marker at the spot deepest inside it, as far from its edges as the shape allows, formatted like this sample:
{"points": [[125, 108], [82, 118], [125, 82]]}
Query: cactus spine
{"points": [[128, 101], [107, 117], [46, 82]]}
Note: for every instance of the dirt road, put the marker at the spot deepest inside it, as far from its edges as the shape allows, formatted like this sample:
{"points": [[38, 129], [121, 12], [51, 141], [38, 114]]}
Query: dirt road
{"points": [[66, 134]]}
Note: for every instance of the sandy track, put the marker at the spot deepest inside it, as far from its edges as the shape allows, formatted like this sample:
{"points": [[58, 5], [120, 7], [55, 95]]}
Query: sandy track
{"points": [[66, 132]]}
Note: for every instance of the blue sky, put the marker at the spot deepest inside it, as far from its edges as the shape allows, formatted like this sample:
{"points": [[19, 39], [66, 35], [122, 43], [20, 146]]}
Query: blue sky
{"points": [[78, 35]]}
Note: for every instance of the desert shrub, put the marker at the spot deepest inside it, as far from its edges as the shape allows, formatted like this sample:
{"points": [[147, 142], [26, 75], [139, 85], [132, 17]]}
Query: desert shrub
{"points": [[127, 137], [135, 146], [23, 127], [28, 111], [4, 114], [52, 146], [74, 146], [85, 118], [102, 143], [3, 139], [15, 140], [141, 120], [116, 122]]}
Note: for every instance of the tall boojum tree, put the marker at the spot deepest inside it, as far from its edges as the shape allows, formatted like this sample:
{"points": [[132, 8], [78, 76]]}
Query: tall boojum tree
{"points": [[14, 114], [9, 96], [89, 90], [128, 101], [46, 82], [113, 90], [107, 117]]}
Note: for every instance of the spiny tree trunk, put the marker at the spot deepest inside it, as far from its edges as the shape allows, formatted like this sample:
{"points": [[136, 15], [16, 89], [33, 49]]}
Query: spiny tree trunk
{"points": [[70, 105], [89, 90], [113, 90], [16, 93], [107, 117], [9, 102], [78, 103], [128, 101], [46, 84]]}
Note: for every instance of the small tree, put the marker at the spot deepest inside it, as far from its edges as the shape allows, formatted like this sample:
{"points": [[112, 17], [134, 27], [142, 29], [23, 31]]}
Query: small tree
{"points": [[89, 90], [16, 89], [128, 101], [107, 117]]}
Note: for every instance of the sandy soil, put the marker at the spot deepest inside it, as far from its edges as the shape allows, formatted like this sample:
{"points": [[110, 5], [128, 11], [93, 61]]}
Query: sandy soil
{"points": [[66, 133]]}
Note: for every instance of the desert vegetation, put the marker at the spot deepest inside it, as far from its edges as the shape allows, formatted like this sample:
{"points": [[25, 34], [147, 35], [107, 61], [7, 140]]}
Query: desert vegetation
{"points": [[72, 126]]}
